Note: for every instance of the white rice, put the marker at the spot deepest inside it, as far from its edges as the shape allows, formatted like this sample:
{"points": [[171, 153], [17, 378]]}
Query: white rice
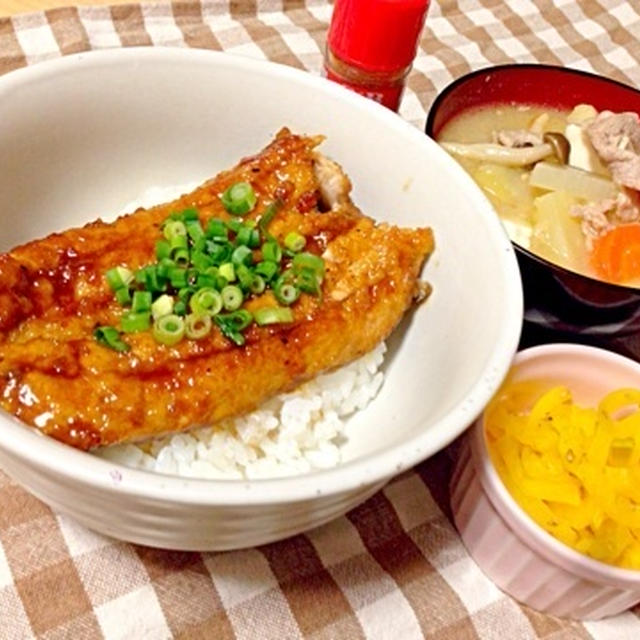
{"points": [[291, 434]]}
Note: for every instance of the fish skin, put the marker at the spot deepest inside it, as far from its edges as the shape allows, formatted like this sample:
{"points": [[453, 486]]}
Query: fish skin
{"points": [[55, 377]]}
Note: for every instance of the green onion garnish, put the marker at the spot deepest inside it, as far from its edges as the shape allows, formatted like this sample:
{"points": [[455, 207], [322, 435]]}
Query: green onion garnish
{"points": [[178, 277], [206, 302], [271, 251], [232, 324], [141, 301], [232, 297], [217, 229], [268, 215], [307, 260], [267, 269], [133, 321], [189, 214], [174, 228], [110, 337], [239, 198], [169, 329], [242, 255], [227, 271], [123, 296], [163, 250], [200, 272], [295, 241], [272, 315], [119, 277], [286, 293], [163, 306], [257, 284], [194, 229], [197, 327], [308, 281], [245, 276]]}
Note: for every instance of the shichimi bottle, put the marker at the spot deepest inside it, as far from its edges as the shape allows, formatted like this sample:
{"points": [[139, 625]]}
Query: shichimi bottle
{"points": [[371, 46]]}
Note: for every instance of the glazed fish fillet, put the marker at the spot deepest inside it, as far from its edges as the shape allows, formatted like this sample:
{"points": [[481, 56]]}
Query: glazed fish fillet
{"points": [[56, 377]]}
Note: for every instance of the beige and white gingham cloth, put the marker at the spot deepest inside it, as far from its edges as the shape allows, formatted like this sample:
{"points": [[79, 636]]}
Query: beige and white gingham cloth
{"points": [[392, 568]]}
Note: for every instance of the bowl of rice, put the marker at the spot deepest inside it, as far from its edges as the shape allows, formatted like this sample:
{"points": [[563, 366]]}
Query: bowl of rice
{"points": [[310, 455]]}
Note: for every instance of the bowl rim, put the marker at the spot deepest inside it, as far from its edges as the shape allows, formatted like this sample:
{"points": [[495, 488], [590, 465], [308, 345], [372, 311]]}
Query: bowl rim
{"points": [[75, 466], [542, 68], [520, 523]]}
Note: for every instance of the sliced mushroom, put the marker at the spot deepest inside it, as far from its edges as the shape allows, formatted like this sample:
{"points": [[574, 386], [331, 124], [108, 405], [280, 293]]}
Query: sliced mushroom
{"points": [[515, 157], [560, 144]]}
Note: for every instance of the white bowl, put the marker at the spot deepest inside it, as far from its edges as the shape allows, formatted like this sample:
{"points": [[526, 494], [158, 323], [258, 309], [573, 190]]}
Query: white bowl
{"points": [[515, 552], [85, 134]]}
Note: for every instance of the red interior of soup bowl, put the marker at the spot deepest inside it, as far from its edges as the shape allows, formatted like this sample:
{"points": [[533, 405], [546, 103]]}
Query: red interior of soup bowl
{"points": [[555, 298], [543, 85]]}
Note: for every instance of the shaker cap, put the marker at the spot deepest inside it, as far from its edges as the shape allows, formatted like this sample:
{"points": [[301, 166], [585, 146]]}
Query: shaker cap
{"points": [[377, 35]]}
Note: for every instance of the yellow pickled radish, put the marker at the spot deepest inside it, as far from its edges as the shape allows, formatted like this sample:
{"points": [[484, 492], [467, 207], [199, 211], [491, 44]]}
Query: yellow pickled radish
{"points": [[575, 470]]}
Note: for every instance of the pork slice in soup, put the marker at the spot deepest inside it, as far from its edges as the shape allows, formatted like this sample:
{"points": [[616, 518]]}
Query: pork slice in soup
{"points": [[564, 183]]}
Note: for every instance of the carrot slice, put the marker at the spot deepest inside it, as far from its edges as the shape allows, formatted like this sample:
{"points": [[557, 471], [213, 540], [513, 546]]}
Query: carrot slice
{"points": [[616, 254]]}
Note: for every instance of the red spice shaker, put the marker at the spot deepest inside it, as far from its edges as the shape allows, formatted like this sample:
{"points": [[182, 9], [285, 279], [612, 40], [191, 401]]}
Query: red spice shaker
{"points": [[371, 46]]}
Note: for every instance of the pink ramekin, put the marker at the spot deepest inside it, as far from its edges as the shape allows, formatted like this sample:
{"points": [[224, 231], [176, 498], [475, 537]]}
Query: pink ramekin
{"points": [[520, 557]]}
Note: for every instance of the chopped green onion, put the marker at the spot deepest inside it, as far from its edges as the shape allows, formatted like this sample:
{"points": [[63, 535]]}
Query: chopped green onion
{"points": [[185, 293], [268, 215], [243, 236], [219, 253], [242, 255], [178, 277], [123, 296], [286, 292], [308, 281], [163, 250], [197, 327], [240, 319], [141, 275], [206, 302], [194, 229], [231, 324], [110, 337], [232, 297], [239, 198], [181, 257], [234, 225], [271, 251], [309, 261], [217, 229], [257, 285], [245, 276], [206, 280], [267, 269], [295, 241], [141, 301], [169, 329], [118, 277], [174, 228], [178, 242], [201, 261], [180, 308], [272, 315], [149, 278], [135, 321], [163, 267], [163, 306], [188, 215], [227, 271]]}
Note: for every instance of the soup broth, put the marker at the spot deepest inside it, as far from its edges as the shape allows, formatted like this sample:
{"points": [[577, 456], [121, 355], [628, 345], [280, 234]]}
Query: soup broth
{"points": [[556, 205]]}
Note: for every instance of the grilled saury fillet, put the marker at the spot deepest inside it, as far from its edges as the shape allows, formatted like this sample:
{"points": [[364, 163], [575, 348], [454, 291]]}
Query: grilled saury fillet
{"points": [[55, 376]]}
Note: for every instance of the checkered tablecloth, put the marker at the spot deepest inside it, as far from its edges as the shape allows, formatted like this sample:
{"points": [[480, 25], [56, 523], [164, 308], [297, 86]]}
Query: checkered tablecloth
{"points": [[392, 568]]}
